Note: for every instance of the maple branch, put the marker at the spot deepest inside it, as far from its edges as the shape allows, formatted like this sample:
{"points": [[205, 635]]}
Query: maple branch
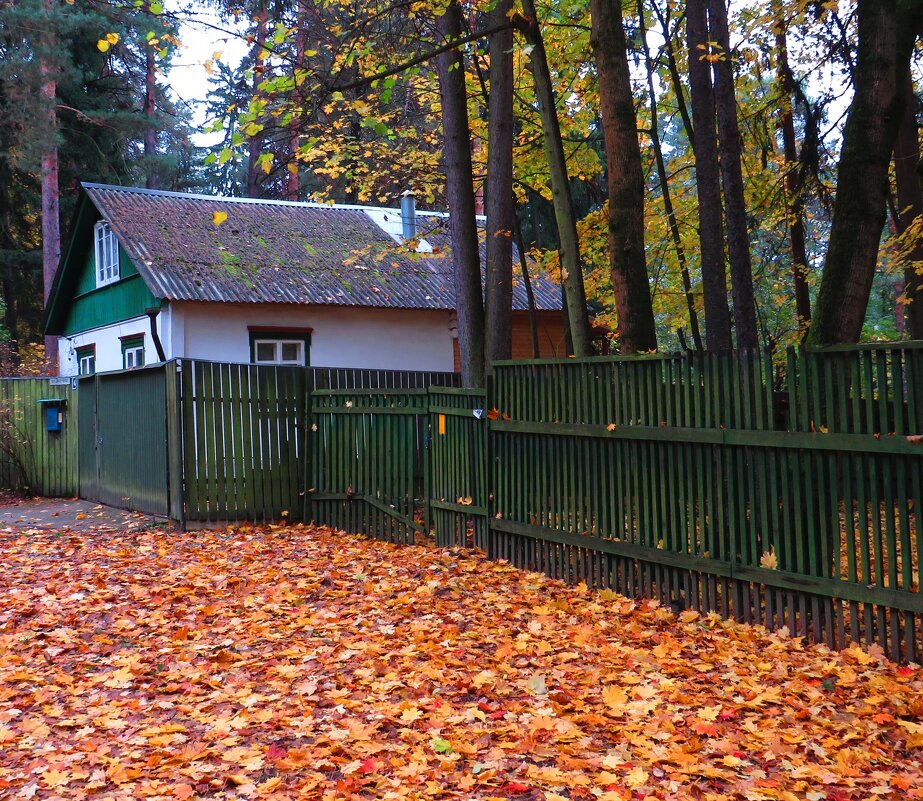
{"points": [[423, 57]]}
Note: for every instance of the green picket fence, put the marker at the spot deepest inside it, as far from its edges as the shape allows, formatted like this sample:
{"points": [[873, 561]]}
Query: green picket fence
{"points": [[199, 442], [688, 480], [32, 458]]}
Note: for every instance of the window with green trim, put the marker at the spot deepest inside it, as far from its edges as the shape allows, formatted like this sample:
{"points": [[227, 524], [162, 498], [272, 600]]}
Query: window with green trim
{"points": [[132, 352], [86, 359], [280, 347]]}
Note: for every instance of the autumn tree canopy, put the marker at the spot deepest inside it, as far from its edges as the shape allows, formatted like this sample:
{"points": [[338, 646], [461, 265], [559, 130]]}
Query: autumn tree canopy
{"points": [[699, 174]]}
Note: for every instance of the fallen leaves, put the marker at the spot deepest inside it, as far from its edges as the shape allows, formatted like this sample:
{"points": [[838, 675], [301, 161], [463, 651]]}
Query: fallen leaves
{"points": [[294, 662]]}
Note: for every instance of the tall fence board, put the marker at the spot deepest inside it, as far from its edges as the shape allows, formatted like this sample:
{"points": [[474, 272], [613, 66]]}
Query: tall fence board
{"points": [[32, 458]]}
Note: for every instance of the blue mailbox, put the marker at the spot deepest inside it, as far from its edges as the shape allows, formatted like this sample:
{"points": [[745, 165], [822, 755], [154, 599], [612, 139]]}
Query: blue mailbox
{"points": [[54, 413]]}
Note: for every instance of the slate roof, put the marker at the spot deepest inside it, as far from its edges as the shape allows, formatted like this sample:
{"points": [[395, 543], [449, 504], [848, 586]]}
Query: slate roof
{"points": [[282, 252]]}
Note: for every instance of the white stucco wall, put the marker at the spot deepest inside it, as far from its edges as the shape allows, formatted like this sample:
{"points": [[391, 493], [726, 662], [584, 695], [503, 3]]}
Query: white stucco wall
{"points": [[387, 339], [108, 345]]}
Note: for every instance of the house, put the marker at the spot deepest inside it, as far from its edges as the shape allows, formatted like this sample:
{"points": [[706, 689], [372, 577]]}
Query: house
{"points": [[148, 275]]}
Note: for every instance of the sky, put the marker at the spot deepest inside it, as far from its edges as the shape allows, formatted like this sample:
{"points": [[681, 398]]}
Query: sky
{"points": [[203, 36]]}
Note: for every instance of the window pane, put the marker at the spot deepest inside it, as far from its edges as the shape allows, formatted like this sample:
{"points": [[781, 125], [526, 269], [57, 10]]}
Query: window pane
{"points": [[266, 351], [291, 351], [133, 357]]}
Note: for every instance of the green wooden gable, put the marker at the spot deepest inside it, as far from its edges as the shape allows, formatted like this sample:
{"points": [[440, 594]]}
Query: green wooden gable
{"points": [[77, 304]]}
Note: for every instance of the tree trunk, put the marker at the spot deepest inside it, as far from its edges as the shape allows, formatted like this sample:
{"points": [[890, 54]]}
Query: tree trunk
{"points": [[568, 242], [627, 258], [910, 206], [735, 204], [527, 282], [293, 179], [255, 142], [794, 189], [500, 200], [708, 185], [673, 68], [51, 222], [149, 109], [469, 302], [665, 188], [886, 37]]}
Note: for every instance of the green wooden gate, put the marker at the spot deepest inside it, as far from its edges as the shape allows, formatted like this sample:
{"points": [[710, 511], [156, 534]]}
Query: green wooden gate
{"points": [[368, 467], [243, 441], [124, 445]]}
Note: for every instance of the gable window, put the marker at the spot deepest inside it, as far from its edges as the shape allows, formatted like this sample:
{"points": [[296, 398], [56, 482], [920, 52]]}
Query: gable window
{"points": [[280, 346], [86, 360], [132, 351], [107, 255]]}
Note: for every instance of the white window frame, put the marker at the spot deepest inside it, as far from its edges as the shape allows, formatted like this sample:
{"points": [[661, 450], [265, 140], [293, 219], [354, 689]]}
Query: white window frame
{"points": [[133, 357], [277, 343], [107, 254], [86, 362]]}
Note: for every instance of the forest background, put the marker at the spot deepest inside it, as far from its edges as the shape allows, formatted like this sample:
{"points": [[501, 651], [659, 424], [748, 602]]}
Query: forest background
{"points": [[695, 175]]}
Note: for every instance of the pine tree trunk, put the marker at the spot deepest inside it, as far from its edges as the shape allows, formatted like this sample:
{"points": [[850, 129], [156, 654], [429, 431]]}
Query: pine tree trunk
{"points": [[794, 191], [887, 31], [568, 241], [255, 142], [51, 214], [627, 258], [735, 204], [149, 109], [460, 194], [708, 184], [293, 180], [910, 205], [499, 202], [665, 189]]}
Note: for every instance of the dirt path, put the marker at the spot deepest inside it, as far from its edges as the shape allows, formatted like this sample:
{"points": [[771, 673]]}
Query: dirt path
{"points": [[69, 514]]}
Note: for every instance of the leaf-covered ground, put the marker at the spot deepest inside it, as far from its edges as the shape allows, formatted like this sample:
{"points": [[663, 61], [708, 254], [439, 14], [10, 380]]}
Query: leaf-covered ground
{"points": [[295, 662]]}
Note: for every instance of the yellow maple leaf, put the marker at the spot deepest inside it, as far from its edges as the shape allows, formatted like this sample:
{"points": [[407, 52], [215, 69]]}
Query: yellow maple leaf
{"points": [[769, 560], [637, 777], [219, 217], [614, 697], [55, 778], [410, 714]]}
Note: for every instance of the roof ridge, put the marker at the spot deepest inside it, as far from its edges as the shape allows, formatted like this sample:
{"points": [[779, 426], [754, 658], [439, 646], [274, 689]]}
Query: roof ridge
{"points": [[305, 204]]}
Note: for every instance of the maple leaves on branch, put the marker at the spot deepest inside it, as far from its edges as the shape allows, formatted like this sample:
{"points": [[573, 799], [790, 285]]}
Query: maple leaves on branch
{"points": [[295, 662]]}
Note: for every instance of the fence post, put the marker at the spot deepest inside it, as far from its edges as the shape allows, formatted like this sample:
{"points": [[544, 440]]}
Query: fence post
{"points": [[173, 375]]}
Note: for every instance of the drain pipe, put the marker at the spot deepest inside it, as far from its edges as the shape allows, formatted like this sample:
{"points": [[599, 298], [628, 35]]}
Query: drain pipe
{"points": [[152, 316]]}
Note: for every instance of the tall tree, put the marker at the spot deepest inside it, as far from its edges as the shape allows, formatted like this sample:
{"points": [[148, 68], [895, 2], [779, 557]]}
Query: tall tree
{"points": [[568, 240], [887, 30], [664, 183], [51, 201], [255, 138], [469, 303], [729, 154], [707, 179], [500, 206], [636, 330], [794, 185], [910, 206]]}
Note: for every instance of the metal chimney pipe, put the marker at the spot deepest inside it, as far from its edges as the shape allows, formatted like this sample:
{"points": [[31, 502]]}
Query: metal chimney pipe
{"points": [[409, 215]]}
